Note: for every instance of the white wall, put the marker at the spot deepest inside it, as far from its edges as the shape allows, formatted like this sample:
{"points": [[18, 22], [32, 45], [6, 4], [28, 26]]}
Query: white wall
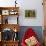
{"points": [[31, 4], [24, 5]]}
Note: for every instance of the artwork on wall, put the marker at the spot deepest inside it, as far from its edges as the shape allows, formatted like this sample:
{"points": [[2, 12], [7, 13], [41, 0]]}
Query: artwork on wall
{"points": [[30, 13]]}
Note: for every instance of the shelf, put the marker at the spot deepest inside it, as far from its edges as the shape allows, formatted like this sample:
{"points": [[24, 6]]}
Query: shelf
{"points": [[9, 19], [10, 26], [11, 41], [4, 8], [9, 10]]}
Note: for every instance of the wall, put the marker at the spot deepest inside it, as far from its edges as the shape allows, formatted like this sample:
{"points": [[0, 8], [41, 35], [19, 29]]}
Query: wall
{"points": [[31, 4], [27, 4]]}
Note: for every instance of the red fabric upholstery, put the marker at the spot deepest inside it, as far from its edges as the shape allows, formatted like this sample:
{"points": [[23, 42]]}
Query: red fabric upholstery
{"points": [[29, 33]]}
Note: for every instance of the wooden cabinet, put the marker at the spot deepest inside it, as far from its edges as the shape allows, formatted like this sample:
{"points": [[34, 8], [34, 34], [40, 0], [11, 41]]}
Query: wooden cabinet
{"points": [[9, 25]]}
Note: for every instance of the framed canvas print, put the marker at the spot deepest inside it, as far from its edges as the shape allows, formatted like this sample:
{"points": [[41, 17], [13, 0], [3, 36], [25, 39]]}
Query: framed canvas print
{"points": [[30, 13]]}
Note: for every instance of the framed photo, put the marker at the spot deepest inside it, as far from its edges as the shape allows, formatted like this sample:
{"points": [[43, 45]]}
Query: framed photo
{"points": [[5, 12], [30, 13]]}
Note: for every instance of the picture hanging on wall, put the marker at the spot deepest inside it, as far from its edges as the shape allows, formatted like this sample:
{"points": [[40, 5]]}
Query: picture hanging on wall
{"points": [[30, 13]]}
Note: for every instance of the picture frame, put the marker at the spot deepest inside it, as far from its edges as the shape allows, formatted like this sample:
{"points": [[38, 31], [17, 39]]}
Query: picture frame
{"points": [[30, 13]]}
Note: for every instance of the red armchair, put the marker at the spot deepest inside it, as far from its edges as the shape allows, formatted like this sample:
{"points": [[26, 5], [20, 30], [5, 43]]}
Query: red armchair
{"points": [[29, 36]]}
